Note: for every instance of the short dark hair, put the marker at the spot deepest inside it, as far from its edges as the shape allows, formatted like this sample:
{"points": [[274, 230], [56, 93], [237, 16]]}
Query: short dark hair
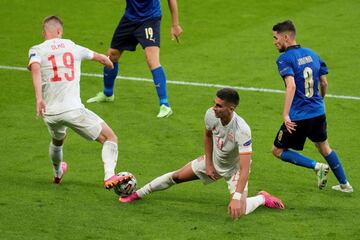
{"points": [[285, 26], [53, 18], [229, 95]]}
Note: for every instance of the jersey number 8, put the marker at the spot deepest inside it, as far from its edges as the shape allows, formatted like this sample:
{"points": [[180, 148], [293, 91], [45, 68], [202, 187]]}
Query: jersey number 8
{"points": [[309, 82]]}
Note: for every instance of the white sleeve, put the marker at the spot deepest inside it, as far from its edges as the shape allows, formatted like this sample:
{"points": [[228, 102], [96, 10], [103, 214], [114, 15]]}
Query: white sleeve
{"points": [[244, 141], [210, 119], [34, 56], [85, 53]]}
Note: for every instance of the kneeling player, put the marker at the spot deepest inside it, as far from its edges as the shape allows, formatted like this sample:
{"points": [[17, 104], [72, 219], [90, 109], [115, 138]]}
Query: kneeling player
{"points": [[227, 155]]}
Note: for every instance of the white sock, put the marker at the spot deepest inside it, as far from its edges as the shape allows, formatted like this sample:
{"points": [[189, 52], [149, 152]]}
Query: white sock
{"points": [[160, 183], [109, 155], [253, 203], [56, 156]]}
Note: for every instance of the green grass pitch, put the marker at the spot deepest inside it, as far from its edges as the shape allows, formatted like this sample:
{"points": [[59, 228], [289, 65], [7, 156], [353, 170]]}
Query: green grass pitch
{"points": [[224, 42]]}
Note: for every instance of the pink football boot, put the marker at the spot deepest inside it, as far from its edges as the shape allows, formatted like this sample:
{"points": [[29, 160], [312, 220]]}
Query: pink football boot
{"points": [[271, 201], [64, 167]]}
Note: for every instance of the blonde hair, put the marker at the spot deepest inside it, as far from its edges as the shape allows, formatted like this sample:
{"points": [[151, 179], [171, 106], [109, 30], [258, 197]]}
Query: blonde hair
{"points": [[51, 23]]}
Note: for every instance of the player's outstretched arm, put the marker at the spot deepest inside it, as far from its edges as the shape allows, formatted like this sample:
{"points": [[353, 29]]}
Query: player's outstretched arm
{"points": [[36, 78], [104, 60], [176, 29]]}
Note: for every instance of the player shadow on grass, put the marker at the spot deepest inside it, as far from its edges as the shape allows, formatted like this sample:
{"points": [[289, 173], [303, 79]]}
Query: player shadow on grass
{"points": [[41, 181]]}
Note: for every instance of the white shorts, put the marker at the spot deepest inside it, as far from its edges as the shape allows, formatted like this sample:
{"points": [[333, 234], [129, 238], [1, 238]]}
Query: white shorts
{"points": [[199, 168], [83, 121]]}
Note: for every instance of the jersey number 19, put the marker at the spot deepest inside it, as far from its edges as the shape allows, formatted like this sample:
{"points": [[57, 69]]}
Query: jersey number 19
{"points": [[68, 62]]}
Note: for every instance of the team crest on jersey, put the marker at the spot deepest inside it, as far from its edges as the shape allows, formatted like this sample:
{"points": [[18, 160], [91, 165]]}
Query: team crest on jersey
{"points": [[248, 143], [32, 55]]}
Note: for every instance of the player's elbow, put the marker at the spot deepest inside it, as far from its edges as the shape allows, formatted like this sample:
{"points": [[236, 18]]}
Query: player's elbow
{"points": [[291, 87]]}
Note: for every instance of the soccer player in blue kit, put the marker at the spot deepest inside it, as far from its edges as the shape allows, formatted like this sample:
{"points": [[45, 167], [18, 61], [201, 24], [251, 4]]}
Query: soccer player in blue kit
{"points": [[304, 114], [141, 24]]}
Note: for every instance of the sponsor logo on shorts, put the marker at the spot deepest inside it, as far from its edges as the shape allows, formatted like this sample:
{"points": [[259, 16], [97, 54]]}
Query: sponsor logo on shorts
{"points": [[280, 135]]}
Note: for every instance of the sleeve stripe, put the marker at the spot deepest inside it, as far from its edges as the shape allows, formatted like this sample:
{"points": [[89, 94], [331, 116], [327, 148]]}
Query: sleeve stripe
{"points": [[245, 153]]}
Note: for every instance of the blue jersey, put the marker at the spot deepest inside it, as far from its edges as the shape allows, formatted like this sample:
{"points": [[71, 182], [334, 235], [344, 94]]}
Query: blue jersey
{"points": [[142, 10], [306, 67]]}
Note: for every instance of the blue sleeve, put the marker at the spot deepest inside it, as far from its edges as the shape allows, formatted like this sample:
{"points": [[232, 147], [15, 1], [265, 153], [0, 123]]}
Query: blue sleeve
{"points": [[284, 67], [323, 68]]}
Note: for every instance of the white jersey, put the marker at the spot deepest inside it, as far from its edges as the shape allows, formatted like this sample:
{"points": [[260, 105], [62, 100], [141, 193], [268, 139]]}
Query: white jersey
{"points": [[60, 61], [228, 142]]}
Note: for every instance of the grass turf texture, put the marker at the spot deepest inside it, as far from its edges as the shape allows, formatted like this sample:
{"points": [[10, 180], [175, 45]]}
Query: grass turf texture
{"points": [[224, 42]]}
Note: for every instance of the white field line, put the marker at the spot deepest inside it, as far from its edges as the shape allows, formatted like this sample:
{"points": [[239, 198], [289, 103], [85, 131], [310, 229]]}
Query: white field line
{"points": [[190, 83]]}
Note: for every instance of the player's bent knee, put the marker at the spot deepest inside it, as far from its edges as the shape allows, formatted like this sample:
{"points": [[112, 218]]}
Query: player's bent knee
{"points": [[276, 151], [114, 54], [176, 177], [107, 134], [57, 142]]}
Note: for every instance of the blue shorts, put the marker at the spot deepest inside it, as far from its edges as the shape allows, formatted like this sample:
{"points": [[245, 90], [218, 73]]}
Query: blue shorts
{"points": [[128, 34], [313, 128]]}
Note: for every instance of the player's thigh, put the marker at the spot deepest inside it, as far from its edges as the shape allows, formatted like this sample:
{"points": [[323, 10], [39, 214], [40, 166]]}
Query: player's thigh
{"points": [[198, 166], [56, 128], [295, 140], [317, 129], [232, 183], [148, 33], [84, 122], [123, 37], [184, 174]]}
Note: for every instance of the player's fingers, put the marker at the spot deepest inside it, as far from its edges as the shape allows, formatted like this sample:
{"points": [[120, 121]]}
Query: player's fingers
{"points": [[174, 37], [235, 214], [289, 129]]}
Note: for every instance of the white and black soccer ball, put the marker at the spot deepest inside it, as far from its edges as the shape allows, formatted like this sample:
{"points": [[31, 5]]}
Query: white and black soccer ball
{"points": [[128, 187]]}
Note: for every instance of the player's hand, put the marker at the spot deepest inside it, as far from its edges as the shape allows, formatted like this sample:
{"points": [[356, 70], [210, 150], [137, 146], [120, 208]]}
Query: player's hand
{"points": [[40, 108], [176, 31], [290, 126], [211, 172], [236, 208], [109, 64]]}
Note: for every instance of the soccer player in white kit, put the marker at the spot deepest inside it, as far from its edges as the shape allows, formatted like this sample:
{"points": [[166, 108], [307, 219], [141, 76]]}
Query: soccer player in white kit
{"points": [[228, 149], [55, 69]]}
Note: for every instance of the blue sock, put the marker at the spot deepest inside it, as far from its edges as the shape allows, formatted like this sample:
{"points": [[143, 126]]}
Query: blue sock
{"points": [[297, 159], [160, 84], [109, 79], [336, 167]]}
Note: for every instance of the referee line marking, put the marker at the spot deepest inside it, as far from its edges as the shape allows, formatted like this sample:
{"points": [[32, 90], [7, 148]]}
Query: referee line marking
{"points": [[197, 84]]}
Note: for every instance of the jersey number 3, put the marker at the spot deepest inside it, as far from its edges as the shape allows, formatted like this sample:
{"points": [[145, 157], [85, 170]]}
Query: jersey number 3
{"points": [[309, 82], [68, 62]]}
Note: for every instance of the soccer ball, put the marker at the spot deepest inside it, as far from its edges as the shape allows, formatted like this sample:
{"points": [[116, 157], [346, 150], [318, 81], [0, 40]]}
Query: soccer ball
{"points": [[125, 189]]}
